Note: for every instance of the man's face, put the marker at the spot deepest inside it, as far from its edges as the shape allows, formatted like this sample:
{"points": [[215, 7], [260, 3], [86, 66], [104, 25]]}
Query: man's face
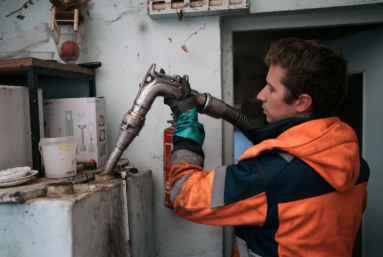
{"points": [[272, 95]]}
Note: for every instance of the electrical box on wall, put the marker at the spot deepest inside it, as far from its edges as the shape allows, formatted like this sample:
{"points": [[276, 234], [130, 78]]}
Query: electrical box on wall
{"points": [[188, 8]]}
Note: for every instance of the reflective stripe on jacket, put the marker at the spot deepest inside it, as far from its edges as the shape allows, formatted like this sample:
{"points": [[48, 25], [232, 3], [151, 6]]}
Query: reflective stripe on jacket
{"points": [[300, 194]]}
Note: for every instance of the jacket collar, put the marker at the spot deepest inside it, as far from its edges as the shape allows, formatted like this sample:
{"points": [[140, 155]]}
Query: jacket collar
{"points": [[273, 130]]}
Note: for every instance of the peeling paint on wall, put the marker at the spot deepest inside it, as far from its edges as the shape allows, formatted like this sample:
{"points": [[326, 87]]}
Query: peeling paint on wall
{"points": [[126, 41]]}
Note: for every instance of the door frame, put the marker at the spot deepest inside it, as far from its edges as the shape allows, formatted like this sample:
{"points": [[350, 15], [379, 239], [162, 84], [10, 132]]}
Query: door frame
{"points": [[357, 15]]}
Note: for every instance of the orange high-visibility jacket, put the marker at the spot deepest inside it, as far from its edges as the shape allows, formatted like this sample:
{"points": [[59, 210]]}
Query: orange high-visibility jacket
{"points": [[301, 192]]}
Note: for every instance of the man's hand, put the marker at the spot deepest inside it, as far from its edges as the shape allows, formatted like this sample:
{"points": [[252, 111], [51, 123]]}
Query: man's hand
{"points": [[188, 100]]}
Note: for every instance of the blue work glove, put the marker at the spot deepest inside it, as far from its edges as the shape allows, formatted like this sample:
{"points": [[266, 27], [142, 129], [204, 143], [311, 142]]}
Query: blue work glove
{"points": [[189, 127], [186, 113]]}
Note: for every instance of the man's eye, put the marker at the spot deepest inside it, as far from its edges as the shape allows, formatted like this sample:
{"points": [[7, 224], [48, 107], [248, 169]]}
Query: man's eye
{"points": [[271, 88]]}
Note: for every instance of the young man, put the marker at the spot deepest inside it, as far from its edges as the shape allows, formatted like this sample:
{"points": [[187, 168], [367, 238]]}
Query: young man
{"points": [[301, 191]]}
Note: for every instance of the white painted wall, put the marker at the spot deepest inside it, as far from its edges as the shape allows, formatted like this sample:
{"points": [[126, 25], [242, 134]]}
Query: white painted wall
{"points": [[121, 35], [266, 6]]}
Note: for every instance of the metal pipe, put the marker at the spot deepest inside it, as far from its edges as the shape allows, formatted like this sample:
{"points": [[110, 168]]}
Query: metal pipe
{"points": [[157, 84]]}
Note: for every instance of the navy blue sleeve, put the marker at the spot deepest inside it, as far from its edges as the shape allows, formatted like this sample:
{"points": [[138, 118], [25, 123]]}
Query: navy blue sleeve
{"points": [[242, 181], [187, 144]]}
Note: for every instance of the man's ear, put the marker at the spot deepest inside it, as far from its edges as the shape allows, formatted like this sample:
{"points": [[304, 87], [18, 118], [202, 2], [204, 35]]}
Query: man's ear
{"points": [[303, 105]]}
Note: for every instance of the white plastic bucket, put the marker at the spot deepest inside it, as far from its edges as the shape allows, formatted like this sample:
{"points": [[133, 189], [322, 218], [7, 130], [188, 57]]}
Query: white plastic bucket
{"points": [[59, 156]]}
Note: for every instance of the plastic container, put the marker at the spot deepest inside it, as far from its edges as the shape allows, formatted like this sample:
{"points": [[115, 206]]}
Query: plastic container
{"points": [[21, 55], [27, 40], [68, 42], [59, 156]]}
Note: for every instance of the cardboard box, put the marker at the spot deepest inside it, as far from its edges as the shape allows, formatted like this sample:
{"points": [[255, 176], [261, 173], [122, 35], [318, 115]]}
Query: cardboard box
{"points": [[15, 128], [83, 118]]}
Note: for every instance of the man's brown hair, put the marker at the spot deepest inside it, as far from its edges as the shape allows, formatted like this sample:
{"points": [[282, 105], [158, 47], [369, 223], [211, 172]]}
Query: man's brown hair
{"points": [[313, 69]]}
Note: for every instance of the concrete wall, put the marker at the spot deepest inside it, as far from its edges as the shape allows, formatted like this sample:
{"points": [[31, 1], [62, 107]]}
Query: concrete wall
{"points": [[266, 6], [121, 35], [88, 223]]}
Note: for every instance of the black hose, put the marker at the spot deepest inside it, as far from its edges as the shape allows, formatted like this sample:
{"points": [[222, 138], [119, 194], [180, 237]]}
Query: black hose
{"points": [[220, 110], [238, 120]]}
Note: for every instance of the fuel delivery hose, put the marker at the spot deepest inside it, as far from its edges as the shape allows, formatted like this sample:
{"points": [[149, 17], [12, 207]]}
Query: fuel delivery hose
{"points": [[218, 109], [158, 84]]}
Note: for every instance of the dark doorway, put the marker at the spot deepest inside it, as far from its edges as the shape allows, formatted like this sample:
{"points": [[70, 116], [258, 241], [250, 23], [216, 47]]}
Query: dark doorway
{"points": [[351, 112]]}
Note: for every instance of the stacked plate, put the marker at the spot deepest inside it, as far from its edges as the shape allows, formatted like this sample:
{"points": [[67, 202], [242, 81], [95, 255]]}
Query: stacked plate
{"points": [[16, 176]]}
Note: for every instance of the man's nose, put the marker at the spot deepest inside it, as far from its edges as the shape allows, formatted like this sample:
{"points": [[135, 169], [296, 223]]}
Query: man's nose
{"points": [[261, 95]]}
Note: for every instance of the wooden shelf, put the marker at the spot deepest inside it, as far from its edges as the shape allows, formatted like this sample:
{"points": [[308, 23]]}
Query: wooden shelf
{"points": [[31, 70], [19, 67]]}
